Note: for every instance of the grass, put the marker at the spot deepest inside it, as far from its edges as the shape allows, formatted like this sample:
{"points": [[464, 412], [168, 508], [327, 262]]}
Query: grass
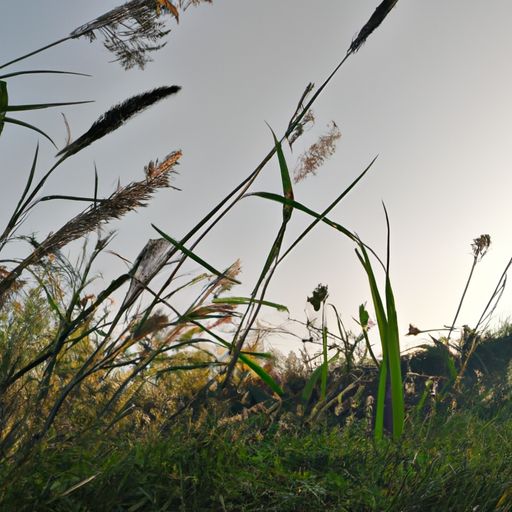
{"points": [[456, 464], [155, 405]]}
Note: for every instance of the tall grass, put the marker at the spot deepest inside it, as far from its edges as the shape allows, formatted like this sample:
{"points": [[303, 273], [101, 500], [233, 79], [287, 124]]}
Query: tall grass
{"points": [[74, 366]]}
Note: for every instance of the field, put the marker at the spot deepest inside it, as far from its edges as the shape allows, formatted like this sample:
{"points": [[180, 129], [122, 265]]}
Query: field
{"points": [[116, 396]]}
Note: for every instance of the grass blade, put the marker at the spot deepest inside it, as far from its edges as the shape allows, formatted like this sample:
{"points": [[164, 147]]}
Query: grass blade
{"points": [[4, 102], [324, 366], [383, 328], [38, 106], [262, 374], [393, 345], [39, 71], [29, 126], [248, 300], [280, 199], [193, 256], [285, 179]]}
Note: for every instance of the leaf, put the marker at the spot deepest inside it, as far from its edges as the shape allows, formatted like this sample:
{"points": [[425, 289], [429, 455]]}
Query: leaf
{"points": [[383, 331], [305, 209], [194, 257], [363, 317], [31, 127], [313, 379], [262, 374], [310, 384], [36, 71], [4, 101], [27, 186], [37, 106], [248, 300], [325, 364], [393, 342], [285, 179]]}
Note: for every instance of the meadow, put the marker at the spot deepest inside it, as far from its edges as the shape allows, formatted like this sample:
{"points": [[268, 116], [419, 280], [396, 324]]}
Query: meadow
{"points": [[143, 404]]}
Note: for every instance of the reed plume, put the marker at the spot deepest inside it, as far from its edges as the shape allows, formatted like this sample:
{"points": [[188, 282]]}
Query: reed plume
{"points": [[124, 200], [130, 31], [133, 31], [317, 153], [373, 23], [117, 116]]}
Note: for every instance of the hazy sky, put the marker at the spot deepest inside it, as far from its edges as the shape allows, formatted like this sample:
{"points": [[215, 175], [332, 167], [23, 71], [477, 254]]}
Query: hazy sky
{"points": [[429, 93]]}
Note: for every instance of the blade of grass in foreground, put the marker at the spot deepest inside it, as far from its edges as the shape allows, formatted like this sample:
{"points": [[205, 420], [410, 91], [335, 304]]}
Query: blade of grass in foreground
{"points": [[193, 256], [393, 342], [248, 300], [382, 325], [388, 330], [4, 101], [269, 267]]}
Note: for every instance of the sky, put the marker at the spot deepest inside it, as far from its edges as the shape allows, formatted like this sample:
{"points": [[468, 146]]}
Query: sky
{"points": [[429, 93]]}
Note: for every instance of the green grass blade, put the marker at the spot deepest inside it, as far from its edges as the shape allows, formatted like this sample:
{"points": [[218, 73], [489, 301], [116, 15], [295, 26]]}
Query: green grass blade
{"points": [[383, 332], [313, 379], [364, 317], [38, 106], [4, 102], [262, 374], [248, 300], [283, 200], [255, 367], [30, 127], [39, 71], [285, 179], [380, 312], [194, 257], [325, 364], [310, 384], [29, 181], [381, 401], [393, 345]]}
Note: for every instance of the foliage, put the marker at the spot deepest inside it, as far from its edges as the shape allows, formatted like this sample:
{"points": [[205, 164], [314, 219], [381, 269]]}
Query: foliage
{"points": [[146, 404]]}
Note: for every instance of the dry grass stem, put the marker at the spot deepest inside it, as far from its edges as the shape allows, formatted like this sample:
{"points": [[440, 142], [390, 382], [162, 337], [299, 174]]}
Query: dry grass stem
{"points": [[315, 156], [117, 116]]}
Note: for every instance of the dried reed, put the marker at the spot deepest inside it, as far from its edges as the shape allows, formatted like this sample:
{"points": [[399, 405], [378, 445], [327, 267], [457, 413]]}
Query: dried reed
{"points": [[124, 200]]}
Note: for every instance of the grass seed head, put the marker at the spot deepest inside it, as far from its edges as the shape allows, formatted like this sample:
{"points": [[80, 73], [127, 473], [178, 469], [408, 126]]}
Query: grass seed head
{"points": [[373, 23], [117, 116]]}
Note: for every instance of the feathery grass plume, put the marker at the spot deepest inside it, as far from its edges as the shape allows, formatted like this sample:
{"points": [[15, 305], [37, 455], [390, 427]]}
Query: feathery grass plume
{"points": [[117, 116], [317, 153], [153, 169], [131, 31], [375, 20], [124, 200]]}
